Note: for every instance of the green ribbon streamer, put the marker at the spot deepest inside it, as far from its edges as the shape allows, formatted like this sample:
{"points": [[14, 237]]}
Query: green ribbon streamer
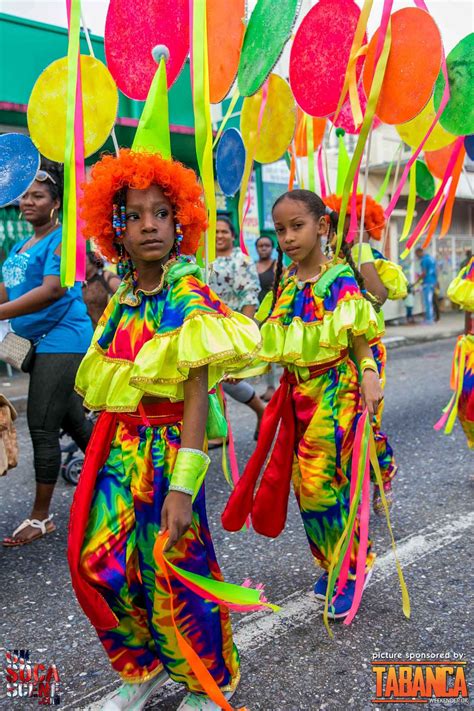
{"points": [[68, 250], [202, 120], [386, 180], [310, 144], [153, 131], [343, 165], [410, 204], [364, 132]]}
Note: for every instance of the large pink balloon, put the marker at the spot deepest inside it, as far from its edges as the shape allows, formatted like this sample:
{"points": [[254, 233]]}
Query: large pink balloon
{"points": [[132, 29], [320, 53]]}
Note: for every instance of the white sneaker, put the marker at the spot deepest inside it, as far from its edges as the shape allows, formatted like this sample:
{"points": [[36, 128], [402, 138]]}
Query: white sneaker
{"points": [[133, 697], [200, 702]]}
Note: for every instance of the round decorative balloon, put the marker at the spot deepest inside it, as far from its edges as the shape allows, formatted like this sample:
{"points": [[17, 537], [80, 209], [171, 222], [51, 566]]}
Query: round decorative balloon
{"points": [[225, 32], [437, 161], [412, 68], [47, 107], [458, 115], [415, 130], [268, 30], [319, 55], [132, 29], [230, 161], [19, 163], [425, 184], [274, 131], [469, 146]]}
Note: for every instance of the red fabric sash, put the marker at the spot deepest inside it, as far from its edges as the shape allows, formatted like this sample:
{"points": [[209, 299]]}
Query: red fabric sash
{"points": [[89, 598], [269, 506]]}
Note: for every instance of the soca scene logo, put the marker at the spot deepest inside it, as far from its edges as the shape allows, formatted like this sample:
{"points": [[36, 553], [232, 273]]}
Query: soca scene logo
{"points": [[28, 680]]}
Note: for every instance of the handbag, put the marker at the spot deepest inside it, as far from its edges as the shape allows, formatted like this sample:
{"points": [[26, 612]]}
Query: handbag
{"points": [[19, 352]]}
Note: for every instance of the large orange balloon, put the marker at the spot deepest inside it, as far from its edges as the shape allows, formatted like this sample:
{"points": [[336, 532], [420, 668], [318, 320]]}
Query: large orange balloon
{"points": [[437, 161], [225, 32], [319, 127], [412, 69]]}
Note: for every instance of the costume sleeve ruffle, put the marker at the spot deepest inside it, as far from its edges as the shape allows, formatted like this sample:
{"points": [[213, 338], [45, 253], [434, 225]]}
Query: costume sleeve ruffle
{"points": [[264, 309], [461, 290], [306, 344], [392, 277]]}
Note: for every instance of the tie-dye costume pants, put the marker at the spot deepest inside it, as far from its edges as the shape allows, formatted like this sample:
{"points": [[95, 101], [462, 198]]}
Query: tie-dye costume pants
{"points": [[388, 467], [117, 559], [326, 411], [466, 398]]}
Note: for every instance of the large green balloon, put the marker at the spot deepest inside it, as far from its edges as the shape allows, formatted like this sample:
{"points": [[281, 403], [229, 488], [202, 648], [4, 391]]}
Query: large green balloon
{"points": [[458, 116], [425, 184], [268, 31]]}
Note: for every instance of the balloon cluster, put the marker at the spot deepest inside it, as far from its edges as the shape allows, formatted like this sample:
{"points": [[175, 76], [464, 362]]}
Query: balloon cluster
{"points": [[336, 77]]}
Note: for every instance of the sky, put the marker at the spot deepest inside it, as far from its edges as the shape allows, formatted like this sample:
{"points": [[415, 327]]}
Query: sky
{"points": [[455, 18]]}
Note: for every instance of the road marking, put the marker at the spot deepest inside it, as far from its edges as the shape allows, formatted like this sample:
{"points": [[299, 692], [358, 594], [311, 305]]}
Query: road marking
{"points": [[259, 628]]}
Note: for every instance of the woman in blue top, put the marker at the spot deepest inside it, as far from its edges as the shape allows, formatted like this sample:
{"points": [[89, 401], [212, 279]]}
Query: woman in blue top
{"points": [[55, 318]]}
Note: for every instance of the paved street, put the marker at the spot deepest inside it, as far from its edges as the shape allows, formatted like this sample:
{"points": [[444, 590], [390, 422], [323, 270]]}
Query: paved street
{"points": [[288, 661]]}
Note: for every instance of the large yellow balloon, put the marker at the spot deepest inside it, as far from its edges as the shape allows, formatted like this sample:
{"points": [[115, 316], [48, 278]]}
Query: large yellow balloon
{"points": [[47, 107], [278, 122], [413, 132]]}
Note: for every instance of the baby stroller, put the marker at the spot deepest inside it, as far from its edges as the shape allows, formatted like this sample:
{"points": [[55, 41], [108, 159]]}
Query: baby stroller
{"points": [[72, 458]]}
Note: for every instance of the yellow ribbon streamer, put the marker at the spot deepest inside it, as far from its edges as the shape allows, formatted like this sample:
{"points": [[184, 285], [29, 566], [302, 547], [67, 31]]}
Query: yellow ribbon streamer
{"points": [[364, 132], [228, 114], [410, 204], [202, 121], [459, 366], [69, 239], [350, 79], [378, 477]]}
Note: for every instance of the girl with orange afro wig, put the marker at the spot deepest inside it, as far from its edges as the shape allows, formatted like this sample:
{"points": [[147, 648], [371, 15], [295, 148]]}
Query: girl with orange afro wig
{"points": [[384, 280], [163, 343]]}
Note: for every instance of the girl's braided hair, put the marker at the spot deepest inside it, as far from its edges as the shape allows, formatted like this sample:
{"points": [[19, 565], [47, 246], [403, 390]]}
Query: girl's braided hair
{"points": [[317, 208]]}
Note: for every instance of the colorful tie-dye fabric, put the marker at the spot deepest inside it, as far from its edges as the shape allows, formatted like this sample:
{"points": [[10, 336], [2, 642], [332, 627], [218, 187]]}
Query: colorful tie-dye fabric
{"points": [[117, 558], [326, 416], [146, 342], [466, 398], [385, 456], [312, 323]]}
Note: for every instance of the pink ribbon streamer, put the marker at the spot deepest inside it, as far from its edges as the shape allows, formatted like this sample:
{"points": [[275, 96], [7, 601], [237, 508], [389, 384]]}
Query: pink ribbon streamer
{"points": [[322, 180], [431, 207], [353, 218]]}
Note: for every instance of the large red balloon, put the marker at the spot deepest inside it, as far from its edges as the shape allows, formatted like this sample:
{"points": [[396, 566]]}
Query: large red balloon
{"points": [[132, 29], [320, 53]]}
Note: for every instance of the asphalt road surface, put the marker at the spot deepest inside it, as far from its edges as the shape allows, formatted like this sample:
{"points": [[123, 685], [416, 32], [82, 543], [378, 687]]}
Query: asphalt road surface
{"points": [[289, 663]]}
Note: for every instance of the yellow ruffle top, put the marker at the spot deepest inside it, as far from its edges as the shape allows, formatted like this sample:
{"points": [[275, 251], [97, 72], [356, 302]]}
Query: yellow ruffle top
{"points": [[147, 342]]}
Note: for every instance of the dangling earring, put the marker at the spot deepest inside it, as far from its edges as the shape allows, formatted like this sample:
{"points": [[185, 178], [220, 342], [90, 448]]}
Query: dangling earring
{"points": [[118, 220], [51, 214], [122, 264], [178, 240], [20, 216]]}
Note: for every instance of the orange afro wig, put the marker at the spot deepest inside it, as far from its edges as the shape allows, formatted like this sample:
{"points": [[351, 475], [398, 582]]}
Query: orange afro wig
{"points": [[374, 218], [139, 170]]}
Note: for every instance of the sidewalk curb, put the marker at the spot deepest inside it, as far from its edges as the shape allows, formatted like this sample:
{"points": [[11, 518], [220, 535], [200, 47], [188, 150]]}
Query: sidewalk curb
{"points": [[401, 341]]}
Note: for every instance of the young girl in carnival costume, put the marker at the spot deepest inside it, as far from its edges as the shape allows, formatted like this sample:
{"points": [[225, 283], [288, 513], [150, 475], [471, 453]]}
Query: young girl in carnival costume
{"points": [[384, 280], [318, 313], [162, 344], [461, 292]]}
